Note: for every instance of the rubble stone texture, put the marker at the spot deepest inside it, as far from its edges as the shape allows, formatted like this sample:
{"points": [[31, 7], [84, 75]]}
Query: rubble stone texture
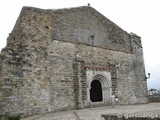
{"points": [[53, 56]]}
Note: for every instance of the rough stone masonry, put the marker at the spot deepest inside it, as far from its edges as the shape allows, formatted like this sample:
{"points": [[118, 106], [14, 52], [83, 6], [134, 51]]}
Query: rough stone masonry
{"points": [[66, 59]]}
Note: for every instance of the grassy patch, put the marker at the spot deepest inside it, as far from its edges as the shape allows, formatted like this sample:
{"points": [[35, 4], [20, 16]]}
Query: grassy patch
{"points": [[13, 117]]}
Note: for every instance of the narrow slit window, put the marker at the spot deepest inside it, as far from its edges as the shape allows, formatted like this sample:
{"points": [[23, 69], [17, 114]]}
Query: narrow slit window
{"points": [[91, 39]]}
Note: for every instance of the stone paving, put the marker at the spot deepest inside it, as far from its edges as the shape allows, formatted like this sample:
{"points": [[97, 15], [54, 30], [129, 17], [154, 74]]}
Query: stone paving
{"points": [[150, 110]]}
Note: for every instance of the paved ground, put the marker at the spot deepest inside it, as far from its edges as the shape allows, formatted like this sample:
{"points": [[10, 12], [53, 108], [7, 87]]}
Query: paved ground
{"points": [[152, 110]]}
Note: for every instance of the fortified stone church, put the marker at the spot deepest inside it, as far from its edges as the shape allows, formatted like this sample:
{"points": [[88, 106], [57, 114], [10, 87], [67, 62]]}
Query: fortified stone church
{"points": [[65, 59]]}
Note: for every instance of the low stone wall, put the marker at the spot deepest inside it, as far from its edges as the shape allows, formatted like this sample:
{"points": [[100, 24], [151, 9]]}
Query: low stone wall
{"points": [[154, 99], [115, 117]]}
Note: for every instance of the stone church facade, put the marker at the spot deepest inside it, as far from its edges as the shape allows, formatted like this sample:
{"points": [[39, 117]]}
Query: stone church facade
{"points": [[69, 59]]}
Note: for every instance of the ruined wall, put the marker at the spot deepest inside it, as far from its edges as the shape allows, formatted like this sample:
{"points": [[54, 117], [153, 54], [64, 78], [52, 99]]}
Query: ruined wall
{"points": [[24, 85], [39, 63], [33, 79]]}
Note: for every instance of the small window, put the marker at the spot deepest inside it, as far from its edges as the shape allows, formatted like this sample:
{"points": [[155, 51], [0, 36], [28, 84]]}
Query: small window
{"points": [[91, 39]]}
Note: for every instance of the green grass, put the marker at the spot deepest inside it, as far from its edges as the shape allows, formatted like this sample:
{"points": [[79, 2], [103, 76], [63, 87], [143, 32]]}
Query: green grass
{"points": [[13, 117]]}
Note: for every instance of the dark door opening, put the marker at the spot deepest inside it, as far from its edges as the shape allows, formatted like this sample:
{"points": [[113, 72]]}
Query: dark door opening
{"points": [[96, 91]]}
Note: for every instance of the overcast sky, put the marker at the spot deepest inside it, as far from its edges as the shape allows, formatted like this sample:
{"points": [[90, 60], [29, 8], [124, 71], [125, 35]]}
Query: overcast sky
{"points": [[141, 17]]}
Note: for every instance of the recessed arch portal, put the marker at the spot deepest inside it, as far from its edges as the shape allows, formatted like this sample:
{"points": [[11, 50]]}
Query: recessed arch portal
{"points": [[99, 87]]}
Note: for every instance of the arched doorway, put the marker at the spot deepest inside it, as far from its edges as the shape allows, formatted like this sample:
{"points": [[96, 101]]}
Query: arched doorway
{"points": [[99, 87], [96, 91]]}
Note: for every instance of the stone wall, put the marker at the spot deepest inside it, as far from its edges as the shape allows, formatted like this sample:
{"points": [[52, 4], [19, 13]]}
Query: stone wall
{"points": [[86, 25], [46, 55], [23, 75], [140, 85]]}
